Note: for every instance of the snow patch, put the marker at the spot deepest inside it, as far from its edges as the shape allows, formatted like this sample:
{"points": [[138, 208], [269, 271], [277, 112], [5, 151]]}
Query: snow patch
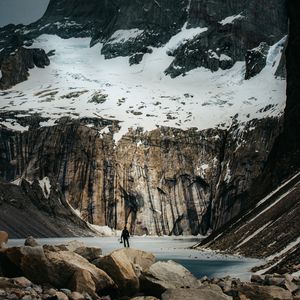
{"points": [[225, 57], [277, 190], [231, 19], [286, 249], [45, 186], [253, 235], [12, 124], [271, 205], [17, 181], [122, 36], [184, 36]]}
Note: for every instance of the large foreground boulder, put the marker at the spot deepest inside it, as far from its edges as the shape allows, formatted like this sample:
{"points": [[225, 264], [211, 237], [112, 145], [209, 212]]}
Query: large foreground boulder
{"points": [[167, 275], [61, 269], [118, 266], [3, 238], [203, 293]]}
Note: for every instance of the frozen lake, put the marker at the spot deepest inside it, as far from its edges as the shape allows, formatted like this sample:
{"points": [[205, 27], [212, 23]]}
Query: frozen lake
{"points": [[200, 263]]}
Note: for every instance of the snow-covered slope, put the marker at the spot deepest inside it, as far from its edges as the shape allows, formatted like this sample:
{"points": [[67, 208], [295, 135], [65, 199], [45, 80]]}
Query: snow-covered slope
{"points": [[80, 82]]}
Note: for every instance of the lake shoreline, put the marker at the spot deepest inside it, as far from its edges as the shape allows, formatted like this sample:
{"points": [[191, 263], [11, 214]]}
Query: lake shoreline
{"points": [[177, 248]]}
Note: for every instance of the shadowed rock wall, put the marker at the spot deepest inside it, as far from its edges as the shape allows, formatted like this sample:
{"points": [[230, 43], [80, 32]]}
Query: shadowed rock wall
{"points": [[160, 182]]}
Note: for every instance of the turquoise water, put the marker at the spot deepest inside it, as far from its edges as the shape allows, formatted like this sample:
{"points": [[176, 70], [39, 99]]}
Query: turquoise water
{"points": [[211, 268]]}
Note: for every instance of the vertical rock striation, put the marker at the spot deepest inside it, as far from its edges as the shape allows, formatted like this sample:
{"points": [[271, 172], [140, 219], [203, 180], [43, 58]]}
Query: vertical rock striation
{"points": [[167, 181]]}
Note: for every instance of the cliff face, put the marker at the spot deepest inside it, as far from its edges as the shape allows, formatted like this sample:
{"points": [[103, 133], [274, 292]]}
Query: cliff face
{"points": [[160, 182]]}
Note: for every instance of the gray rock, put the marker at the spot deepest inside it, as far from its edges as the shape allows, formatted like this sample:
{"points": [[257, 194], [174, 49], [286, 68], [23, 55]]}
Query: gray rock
{"points": [[61, 296], [257, 278], [119, 267], [15, 67], [12, 297], [30, 241], [166, 275], [203, 293], [144, 298], [256, 60], [89, 253], [264, 292], [77, 296], [57, 268], [67, 292], [142, 258]]}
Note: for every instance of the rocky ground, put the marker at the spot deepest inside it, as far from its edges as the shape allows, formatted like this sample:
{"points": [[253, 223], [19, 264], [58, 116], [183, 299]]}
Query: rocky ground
{"points": [[74, 271]]}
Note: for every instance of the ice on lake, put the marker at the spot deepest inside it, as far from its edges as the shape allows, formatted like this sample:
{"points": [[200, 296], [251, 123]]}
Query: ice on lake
{"points": [[200, 263]]}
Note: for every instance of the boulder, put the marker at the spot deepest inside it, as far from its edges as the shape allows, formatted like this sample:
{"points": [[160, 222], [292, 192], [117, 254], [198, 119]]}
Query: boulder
{"points": [[284, 281], [213, 287], [204, 293], [144, 298], [82, 281], [3, 239], [58, 268], [225, 285], [257, 278], [30, 241], [67, 292], [167, 275], [264, 292], [77, 296], [138, 257], [67, 262], [89, 253], [31, 261], [119, 267], [60, 296], [70, 246]]}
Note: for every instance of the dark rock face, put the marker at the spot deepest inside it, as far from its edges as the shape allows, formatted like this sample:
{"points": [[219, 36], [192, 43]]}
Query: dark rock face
{"points": [[244, 159], [27, 209], [167, 181], [15, 66], [256, 60], [226, 42], [266, 229]]}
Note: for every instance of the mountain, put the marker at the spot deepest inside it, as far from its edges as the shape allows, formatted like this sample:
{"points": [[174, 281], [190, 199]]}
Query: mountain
{"points": [[164, 114]]}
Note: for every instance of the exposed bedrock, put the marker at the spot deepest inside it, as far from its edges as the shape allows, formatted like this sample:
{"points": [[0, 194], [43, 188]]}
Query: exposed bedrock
{"points": [[15, 65], [166, 181]]}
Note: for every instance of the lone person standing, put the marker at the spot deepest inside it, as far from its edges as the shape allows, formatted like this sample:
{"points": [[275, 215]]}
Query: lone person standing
{"points": [[125, 236]]}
